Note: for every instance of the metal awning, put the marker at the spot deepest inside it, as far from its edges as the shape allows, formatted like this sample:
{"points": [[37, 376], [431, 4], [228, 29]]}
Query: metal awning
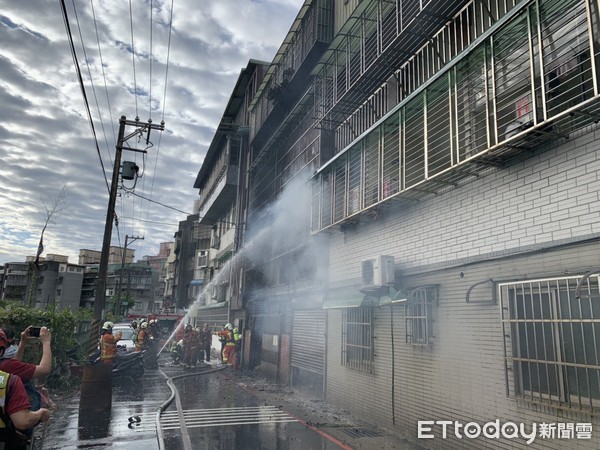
{"points": [[349, 299], [213, 308]]}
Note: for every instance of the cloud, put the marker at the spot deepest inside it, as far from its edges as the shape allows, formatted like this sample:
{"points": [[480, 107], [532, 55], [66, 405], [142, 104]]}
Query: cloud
{"points": [[45, 137]]}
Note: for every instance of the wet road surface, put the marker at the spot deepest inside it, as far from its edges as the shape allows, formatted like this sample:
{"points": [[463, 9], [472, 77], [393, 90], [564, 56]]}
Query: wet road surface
{"points": [[68, 429], [215, 412], [210, 411]]}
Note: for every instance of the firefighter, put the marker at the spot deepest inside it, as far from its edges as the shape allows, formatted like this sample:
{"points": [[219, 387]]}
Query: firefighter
{"points": [[177, 351], [190, 346], [226, 335], [237, 340], [108, 343], [142, 338]]}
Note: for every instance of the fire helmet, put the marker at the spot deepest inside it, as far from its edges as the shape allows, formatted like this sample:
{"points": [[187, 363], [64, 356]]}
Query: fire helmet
{"points": [[228, 326], [108, 326]]}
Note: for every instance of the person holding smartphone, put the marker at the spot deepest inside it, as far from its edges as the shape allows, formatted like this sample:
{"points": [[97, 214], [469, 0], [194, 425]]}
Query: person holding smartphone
{"points": [[27, 371]]}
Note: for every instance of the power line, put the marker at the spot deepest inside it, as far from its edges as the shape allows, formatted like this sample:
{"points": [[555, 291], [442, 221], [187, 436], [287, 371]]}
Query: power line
{"points": [[161, 204], [87, 64], [104, 76], [164, 101], [150, 60], [133, 58], [151, 221], [81, 85], [167, 64]]}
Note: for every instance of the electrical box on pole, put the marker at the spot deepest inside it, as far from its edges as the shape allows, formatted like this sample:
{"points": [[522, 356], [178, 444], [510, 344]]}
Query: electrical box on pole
{"points": [[130, 170]]}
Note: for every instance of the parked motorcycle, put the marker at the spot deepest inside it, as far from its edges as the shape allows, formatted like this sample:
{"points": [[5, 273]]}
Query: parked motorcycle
{"points": [[128, 364]]}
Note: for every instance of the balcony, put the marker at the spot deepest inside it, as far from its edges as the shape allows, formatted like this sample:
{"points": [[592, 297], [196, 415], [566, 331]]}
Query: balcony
{"points": [[220, 196], [498, 98], [286, 78]]}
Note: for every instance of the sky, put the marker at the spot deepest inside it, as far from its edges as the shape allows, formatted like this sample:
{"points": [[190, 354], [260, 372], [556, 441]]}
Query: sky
{"points": [[135, 61]]}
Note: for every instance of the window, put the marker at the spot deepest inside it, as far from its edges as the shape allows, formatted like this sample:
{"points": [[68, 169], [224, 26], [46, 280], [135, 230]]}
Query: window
{"points": [[357, 338], [418, 319], [202, 259], [552, 341]]}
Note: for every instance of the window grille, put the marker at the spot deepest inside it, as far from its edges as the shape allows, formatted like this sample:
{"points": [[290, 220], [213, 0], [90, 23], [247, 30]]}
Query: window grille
{"points": [[552, 341], [357, 338], [526, 79], [418, 312], [202, 260]]}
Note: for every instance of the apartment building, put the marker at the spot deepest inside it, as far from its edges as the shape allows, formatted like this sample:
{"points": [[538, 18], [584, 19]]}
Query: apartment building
{"points": [[460, 200], [446, 266], [222, 194], [186, 244], [115, 256], [15, 278]]}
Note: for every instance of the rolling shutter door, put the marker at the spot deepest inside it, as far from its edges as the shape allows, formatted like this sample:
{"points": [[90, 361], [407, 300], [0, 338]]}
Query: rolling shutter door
{"points": [[215, 317], [308, 340]]}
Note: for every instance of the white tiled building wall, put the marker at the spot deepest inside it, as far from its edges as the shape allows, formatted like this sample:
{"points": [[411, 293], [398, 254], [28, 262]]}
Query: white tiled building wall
{"points": [[502, 226]]}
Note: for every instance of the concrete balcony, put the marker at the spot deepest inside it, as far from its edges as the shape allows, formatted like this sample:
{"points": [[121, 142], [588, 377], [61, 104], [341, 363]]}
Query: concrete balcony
{"points": [[220, 196]]}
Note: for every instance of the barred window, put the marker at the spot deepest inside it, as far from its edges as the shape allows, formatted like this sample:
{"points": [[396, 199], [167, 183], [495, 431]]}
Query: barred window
{"points": [[552, 341], [418, 314], [357, 338]]}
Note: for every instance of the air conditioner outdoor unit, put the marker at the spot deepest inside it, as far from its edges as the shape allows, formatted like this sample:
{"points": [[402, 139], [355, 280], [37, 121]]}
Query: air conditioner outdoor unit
{"points": [[378, 271]]}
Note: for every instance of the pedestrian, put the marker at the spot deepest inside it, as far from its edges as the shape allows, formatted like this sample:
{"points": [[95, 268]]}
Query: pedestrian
{"points": [[206, 335], [27, 371], [11, 351], [108, 343], [226, 335], [16, 418]]}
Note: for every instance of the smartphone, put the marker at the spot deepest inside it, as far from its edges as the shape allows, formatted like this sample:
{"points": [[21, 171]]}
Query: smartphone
{"points": [[34, 331]]}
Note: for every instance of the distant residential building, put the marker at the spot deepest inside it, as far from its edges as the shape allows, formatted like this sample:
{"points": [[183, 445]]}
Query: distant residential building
{"points": [[168, 296], [115, 255], [137, 285], [58, 283], [160, 264], [186, 246], [15, 276], [88, 286]]}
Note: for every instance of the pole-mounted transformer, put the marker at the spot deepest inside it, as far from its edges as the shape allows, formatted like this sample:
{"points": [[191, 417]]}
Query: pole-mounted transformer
{"points": [[130, 170]]}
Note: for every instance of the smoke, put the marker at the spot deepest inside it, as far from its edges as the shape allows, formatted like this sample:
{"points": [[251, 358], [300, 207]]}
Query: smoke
{"points": [[278, 248]]}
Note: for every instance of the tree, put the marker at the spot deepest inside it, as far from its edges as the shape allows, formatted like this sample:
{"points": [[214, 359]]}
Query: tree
{"points": [[56, 207]]}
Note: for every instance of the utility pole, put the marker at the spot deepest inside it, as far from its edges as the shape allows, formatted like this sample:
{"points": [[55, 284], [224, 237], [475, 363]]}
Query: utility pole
{"points": [[120, 289], [96, 386]]}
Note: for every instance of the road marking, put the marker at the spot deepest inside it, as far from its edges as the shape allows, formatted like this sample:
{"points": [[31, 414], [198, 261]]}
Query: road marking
{"points": [[218, 417]]}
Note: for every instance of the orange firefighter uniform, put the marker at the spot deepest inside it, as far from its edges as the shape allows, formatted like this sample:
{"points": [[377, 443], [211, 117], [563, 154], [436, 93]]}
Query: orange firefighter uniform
{"points": [[108, 347], [229, 350]]}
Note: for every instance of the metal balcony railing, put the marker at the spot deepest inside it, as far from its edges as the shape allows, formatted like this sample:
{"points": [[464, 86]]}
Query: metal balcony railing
{"points": [[529, 79]]}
